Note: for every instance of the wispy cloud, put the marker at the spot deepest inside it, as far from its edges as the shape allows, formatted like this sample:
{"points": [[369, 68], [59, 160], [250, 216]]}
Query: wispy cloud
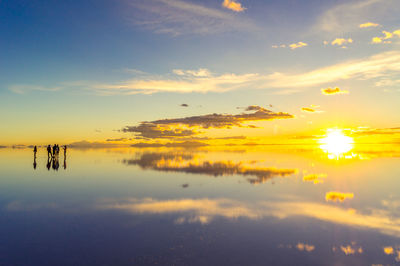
{"points": [[233, 5], [178, 17], [369, 25], [350, 15], [25, 88]]}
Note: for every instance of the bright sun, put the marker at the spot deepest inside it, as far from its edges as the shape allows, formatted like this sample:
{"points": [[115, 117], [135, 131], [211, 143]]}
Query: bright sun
{"points": [[336, 143]]}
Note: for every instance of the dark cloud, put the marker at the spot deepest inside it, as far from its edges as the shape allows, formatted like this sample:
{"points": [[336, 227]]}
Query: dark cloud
{"points": [[185, 163], [180, 127], [307, 110], [118, 139], [152, 130], [184, 105]]}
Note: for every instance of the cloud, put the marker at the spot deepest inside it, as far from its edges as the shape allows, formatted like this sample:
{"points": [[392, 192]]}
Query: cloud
{"points": [[202, 72], [380, 65], [388, 250], [315, 178], [305, 247], [338, 196], [383, 66], [297, 45], [330, 91], [348, 16], [388, 35], [233, 5], [177, 17], [186, 163], [341, 41], [25, 88], [369, 25], [88, 144], [184, 105], [183, 127]]}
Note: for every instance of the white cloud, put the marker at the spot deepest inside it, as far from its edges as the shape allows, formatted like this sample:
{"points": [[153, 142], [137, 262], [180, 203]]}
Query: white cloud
{"points": [[351, 15], [178, 17]]}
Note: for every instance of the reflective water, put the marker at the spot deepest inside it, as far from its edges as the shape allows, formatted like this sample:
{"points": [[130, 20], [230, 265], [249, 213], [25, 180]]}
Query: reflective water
{"points": [[254, 205]]}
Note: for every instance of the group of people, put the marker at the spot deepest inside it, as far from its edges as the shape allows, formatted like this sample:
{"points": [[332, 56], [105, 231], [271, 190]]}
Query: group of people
{"points": [[55, 151], [52, 156]]}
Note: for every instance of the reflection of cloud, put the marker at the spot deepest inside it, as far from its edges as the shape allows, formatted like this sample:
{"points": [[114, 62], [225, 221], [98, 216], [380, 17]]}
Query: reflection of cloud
{"points": [[197, 210], [315, 178], [204, 210], [168, 128], [175, 162], [388, 250], [305, 247], [233, 5], [330, 91], [376, 131], [350, 250], [338, 196]]}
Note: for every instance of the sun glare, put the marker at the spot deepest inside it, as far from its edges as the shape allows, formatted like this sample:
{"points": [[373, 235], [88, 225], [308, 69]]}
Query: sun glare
{"points": [[336, 143]]}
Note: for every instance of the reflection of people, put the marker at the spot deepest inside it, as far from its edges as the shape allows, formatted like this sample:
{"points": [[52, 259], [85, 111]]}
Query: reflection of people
{"points": [[48, 151], [55, 163], [65, 156], [48, 162], [34, 162]]}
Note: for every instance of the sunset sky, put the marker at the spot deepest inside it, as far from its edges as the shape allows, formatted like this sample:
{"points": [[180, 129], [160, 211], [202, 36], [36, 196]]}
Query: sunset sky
{"points": [[162, 71]]}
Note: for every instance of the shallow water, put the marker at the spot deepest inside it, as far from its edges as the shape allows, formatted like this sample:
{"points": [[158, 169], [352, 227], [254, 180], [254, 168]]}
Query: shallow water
{"points": [[252, 205]]}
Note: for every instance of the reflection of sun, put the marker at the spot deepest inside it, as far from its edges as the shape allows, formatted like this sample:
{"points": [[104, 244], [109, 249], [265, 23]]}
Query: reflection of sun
{"points": [[336, 143]]}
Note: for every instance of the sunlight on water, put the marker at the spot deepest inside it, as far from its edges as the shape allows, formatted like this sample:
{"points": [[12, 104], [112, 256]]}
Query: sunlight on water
{"points": [[336, 144]]}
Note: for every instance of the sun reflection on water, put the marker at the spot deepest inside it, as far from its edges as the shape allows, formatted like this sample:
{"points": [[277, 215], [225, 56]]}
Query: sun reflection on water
{"points": [[336, 144]]}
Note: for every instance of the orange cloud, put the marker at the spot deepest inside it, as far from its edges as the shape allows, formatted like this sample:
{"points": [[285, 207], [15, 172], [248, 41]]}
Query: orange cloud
{"points": [[388, 250], [330, 91], [315, 178], [233, 5], [297, 45], [369, 24], [305, 247], [338, 196]]}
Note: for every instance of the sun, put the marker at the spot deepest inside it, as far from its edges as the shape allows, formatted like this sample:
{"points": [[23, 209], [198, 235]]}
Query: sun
{"points": [[336, 143]]}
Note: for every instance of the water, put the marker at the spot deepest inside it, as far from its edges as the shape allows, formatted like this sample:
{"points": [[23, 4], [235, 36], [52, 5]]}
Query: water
{"points": [[252, 205]]}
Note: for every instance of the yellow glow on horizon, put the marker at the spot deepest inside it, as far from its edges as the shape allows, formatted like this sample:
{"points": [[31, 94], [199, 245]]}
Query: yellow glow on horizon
{"points": [[336, 143]]}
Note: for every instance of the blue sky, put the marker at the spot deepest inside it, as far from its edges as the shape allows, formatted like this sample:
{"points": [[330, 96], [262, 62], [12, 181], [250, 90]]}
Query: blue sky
{"points": [[73, 70]]}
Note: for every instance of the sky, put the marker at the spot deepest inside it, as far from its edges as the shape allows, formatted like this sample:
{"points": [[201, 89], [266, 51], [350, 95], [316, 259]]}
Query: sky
{"points": [[215, 71]]}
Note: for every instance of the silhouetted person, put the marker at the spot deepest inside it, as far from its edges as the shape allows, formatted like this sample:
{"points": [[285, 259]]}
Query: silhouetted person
{"points": [[48, 162], [54, 150], [48, 151], [65, 150], [34, 150]]}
